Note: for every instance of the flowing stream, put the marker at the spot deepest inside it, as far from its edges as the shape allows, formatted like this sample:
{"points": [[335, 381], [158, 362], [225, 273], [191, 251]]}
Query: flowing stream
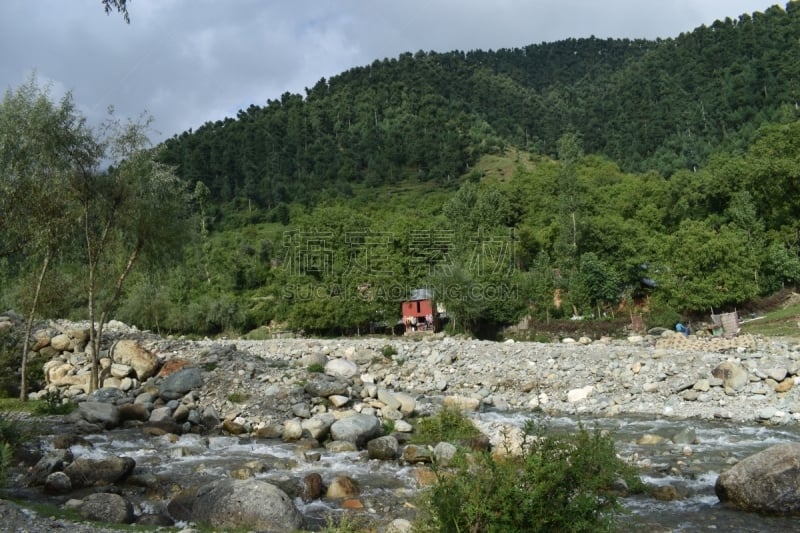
{"points": [[388, 489]]}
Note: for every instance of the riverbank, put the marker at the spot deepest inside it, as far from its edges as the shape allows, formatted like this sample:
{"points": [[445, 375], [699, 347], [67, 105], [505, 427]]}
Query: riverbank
{"points": [[295, 394]]}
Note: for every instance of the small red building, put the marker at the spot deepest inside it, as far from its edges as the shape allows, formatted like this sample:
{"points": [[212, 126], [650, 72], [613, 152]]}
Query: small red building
{"points": [[419, 312]]}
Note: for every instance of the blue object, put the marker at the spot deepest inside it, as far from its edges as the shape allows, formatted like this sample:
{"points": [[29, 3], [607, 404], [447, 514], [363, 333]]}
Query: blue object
{"points": [[680, 328]]}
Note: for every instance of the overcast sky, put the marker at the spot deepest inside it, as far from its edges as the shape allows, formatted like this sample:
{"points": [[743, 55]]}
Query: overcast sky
{"points": [[190, 61]]}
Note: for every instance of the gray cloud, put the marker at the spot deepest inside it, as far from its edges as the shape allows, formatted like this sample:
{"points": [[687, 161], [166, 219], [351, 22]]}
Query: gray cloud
{"points": [[190, 61]]}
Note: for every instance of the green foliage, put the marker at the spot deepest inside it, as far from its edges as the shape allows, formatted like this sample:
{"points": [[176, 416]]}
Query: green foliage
{"points": [[12, 434], [388, 351], [53, 403], [388, 426], [238, 397], [448, 425], [780, 268], [6, 454], [344, 524], [10, 350], [559, 483], [723, 274], [316, 368], [319, 214]]}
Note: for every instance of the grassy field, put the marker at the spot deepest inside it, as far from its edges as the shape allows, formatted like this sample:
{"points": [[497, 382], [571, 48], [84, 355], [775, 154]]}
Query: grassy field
{"points": [[781, 322]]}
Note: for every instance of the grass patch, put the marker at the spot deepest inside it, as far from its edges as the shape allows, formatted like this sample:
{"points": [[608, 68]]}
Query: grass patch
{"points": [[238, 397], [53, 403], [316, 368], [781, 322], [448, 425]]}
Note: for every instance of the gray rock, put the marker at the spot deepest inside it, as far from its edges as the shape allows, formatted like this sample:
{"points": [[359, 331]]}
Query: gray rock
{"points": [[340, 446], [414, 453], [388, 399], [107, 507], [108, 395], [383, 448], [778, 374], [301, 410], [210, 418], [341, 368], [86, 472], [357, 429], [176, 385], [250, 504], [324, 386], [444, 452], [767, 482], [161, 414], [361, 357], [57, 483], [407, 402], [49, 463], [104, 414], [733, 375], [314, 359], [319, 425], [292, 430]]}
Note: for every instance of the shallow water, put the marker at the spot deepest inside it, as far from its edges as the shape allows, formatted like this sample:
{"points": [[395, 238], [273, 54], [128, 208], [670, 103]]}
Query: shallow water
{"points": [[719, 444], [388, 489]]}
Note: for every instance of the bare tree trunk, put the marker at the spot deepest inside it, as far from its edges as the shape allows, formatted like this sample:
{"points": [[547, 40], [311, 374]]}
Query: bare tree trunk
{"points": [[23, 382], [107, 309], [93, 258], [94, 340]]}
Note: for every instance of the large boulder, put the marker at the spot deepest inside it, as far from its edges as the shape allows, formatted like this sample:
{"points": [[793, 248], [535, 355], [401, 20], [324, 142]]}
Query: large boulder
{"points": [[319, 425], [324, 386], [49, 463], [341, 368], [86, 472], [733, 375], [61, 342], [383, 448], [107, 507], [130, 352], [767, 482], [357, 429], [249, 504], [176, 385], [102, 413]]}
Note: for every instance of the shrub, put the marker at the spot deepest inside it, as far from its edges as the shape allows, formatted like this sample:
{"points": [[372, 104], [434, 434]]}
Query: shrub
{"points": [[10, 358], [448, 425], [238, 397], [388, 351], [560, 483], [6, 452], [344, 524], [53, 404], [316, 367]]}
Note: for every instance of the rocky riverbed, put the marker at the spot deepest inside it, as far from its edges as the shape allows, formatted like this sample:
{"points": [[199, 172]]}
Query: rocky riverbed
{"points": [[329, 396]]}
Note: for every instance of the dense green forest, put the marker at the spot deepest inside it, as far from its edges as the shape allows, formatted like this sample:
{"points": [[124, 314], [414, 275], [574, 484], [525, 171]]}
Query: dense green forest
{"points": [[586, 177]]}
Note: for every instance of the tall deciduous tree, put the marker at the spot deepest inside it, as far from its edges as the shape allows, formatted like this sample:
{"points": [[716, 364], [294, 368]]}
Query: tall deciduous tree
{"points": [[135, 208], [41, 143]]}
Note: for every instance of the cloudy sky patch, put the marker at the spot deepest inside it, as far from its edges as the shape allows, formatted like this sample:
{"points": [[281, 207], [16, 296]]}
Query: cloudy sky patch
{"points": [[187, 62]]}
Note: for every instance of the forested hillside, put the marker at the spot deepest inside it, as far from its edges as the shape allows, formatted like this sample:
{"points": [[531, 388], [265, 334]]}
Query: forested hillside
{"points": [[663, 106], [587, 177]]}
